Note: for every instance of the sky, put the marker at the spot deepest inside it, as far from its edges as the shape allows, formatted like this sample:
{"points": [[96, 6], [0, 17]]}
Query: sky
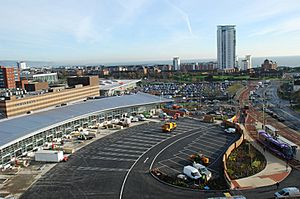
{"points": [[77, 31]]}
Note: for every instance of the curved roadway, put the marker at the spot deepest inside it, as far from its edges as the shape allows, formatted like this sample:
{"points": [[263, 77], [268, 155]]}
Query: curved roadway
{"points": [[117, 167]]}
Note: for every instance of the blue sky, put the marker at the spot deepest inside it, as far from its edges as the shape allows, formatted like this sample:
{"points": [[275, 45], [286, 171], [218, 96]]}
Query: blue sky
{"points": [[134, 30]]}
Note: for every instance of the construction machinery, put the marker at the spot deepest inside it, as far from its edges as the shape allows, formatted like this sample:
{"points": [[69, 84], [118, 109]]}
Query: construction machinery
{"points": [[176, 116], [169, 126], [199, 158]]}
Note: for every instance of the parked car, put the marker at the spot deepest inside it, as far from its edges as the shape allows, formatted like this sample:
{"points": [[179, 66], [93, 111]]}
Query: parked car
{"points": [[134, 119], [288, 192], [141, 117], [280, 119], [182, 177], [230, 130]]}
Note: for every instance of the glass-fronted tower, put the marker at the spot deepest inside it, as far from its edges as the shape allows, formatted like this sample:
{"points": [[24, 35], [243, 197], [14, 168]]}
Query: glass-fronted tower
{"points": [[176, 63], [226, 41]]}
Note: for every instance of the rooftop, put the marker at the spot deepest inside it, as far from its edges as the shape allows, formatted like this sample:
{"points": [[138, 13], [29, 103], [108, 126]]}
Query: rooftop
{"points": [[17, 128], [114, 84]]}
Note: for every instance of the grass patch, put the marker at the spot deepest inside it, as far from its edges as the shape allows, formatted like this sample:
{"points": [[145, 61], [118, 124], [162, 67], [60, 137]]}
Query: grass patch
{"points": [[234, 88]]}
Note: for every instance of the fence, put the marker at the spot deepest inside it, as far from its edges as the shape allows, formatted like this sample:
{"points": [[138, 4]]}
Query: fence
{"points": [[232, 147]]}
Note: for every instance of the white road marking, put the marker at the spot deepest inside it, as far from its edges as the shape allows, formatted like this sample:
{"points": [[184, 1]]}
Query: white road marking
{"points": [[154, 135], [170, 168], [100, 169], [213, 140], [135, 143], [122, 150], [117, 154], [145, 137], [129, 147], [151, 165], [176, 156], [146, 160], [208, 144], [176, 163], [201, 149], [109, 158], [140, 140]]}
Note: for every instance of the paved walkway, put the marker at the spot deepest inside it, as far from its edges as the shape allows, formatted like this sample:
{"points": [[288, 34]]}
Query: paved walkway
{"points": [[275, 171]]}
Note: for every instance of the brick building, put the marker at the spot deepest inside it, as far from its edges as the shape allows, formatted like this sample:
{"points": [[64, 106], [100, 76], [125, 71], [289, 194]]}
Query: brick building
{"points": [[8, 77]]}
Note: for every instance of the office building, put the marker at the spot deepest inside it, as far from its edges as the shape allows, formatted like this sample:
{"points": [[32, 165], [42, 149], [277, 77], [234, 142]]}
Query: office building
{"points": [[8, 77], [246, 63], [249, 59], [46, 77], [226, 44], [36, 86], [22, 65], [176, 63], [84, 81], [13, 106]]}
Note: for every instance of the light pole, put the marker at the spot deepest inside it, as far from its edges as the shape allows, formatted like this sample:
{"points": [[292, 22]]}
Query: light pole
{"points": [[264, 122]]}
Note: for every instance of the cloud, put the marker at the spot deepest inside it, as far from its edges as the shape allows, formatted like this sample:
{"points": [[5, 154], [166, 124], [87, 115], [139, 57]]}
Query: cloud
{"points": [[284, 27]]}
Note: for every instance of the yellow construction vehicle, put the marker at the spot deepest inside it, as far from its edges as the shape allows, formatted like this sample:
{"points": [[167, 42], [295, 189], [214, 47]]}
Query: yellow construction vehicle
{"points": [[169, 126], [199, 158]]}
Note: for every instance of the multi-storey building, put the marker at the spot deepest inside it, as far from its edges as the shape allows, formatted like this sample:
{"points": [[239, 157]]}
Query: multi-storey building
{"points": [[246, 63], [13, 106], [269, 65], [22, 65], [226, 44], [176, 63], [8, 77]]}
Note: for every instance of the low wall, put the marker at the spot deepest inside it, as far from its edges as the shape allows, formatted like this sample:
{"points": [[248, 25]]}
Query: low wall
{"points": [[228, 152]]}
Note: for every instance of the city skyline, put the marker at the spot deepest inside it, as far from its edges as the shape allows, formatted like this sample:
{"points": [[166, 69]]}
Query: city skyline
{"points": [[115, 31]]}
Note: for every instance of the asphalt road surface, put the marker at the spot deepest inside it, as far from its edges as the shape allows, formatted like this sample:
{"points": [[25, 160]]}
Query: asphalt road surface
{"points": [[280, 106], [117, 166], [210, 141]]}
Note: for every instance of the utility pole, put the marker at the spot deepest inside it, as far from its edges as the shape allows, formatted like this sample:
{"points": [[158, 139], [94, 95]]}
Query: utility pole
{"points": [[264, 99]]}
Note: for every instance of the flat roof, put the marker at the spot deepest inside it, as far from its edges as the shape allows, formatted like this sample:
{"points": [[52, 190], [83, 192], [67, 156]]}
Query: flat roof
{"points": [[44, 74], [18, 128], [116, 83]]}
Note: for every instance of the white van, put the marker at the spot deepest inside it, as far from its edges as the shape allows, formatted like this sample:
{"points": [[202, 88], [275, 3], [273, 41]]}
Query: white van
{"points": [[288, 192], [203, 170], [191, 172]]}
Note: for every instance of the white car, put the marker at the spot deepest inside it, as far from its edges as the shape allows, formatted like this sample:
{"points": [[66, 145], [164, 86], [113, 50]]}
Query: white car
{"points": [[288, 192], [141, 117], [203, 170], [230, 130], [134, 119], [182, 177]]}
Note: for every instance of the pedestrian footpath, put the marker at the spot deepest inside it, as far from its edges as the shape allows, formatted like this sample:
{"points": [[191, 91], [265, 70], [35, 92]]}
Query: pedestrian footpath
{"points": [[275, 171]]}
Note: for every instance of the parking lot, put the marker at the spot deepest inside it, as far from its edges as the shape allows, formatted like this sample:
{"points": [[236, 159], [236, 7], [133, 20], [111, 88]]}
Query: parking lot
{"points": [[209, 140], [213, 90], [97, 170]]}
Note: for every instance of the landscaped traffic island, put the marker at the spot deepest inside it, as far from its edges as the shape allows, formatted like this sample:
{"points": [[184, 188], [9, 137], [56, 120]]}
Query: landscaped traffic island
{"points": [[245, 161]]}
